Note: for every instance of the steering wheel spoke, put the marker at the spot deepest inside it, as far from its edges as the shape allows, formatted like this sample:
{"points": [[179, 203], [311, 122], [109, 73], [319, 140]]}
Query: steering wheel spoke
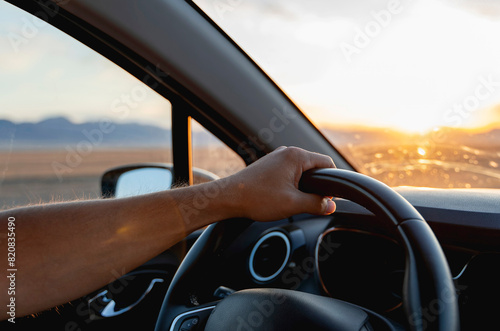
{"points": [[192, 319]]}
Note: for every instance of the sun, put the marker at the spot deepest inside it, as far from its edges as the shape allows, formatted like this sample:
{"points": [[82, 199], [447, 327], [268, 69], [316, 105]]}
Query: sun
{"points": [[414, 124]]}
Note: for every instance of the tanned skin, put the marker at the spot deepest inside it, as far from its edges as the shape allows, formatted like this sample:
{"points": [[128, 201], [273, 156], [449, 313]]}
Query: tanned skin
{"points": [[67, 250]]}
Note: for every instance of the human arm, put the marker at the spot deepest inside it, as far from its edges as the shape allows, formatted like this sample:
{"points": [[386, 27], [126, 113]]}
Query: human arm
{"points": [[90, 242]]}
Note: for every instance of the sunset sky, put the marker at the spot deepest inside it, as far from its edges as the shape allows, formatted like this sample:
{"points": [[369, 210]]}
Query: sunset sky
{"points": [[427, 58]]}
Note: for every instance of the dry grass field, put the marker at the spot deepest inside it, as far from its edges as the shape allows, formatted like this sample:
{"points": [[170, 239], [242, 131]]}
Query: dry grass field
{"points": [[33, 177]]}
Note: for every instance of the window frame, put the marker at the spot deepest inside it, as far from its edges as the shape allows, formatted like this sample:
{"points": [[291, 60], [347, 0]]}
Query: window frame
{"points": [[185, 105]]}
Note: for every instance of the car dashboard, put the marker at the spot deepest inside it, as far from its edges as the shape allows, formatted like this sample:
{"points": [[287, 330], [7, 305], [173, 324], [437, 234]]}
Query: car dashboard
{"points": [[346, 257]]}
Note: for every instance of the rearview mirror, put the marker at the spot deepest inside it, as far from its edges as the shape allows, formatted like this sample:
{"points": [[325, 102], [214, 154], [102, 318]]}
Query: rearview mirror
{"points": [[137, 179]]}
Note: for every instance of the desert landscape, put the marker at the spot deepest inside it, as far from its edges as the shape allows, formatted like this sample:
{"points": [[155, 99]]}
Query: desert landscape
{"points": [[38, 166], [448, 158]]}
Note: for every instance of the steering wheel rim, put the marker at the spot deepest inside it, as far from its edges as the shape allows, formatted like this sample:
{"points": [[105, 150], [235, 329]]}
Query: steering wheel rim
{"points": [[428, 284]]}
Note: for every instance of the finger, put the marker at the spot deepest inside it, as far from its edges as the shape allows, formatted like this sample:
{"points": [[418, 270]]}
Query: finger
{"points": [[279, 148], [309, 160], [318, 161], [315, 204], [331, 206]]}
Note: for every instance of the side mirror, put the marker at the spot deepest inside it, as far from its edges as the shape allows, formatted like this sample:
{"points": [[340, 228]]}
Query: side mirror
{"points": [[137, 179]]}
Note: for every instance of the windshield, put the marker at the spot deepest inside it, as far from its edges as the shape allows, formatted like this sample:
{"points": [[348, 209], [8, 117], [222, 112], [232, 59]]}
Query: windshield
{"points": [[407, 91]]}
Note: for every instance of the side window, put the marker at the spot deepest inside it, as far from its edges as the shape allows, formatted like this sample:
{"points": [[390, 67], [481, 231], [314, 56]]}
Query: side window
{"points": [[67, 115], [209, 153]]}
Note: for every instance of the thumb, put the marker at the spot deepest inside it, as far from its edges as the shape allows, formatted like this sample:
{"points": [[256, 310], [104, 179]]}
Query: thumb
{"points": [[316, 204]]}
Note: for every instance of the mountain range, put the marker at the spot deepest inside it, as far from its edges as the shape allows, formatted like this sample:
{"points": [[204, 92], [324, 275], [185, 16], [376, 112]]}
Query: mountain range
{"points": [[385, 137], [59, 131]]}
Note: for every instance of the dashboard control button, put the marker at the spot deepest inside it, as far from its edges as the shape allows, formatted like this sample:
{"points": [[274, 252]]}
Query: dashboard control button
{"points": [[190, 324]]}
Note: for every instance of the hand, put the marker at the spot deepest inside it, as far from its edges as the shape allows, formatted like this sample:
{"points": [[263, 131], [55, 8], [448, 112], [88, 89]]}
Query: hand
{"points": [[267, 190]]}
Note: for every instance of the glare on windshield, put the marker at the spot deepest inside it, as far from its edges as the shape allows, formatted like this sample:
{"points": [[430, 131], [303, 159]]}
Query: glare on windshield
{"points": [[408, 91]]}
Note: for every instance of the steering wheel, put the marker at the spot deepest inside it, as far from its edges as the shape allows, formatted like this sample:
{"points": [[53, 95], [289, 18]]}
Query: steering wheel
{"points": [[429, 296]]}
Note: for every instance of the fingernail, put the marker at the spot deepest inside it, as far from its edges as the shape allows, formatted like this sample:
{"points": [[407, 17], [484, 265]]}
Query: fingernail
{"points": [[330, 207]]}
